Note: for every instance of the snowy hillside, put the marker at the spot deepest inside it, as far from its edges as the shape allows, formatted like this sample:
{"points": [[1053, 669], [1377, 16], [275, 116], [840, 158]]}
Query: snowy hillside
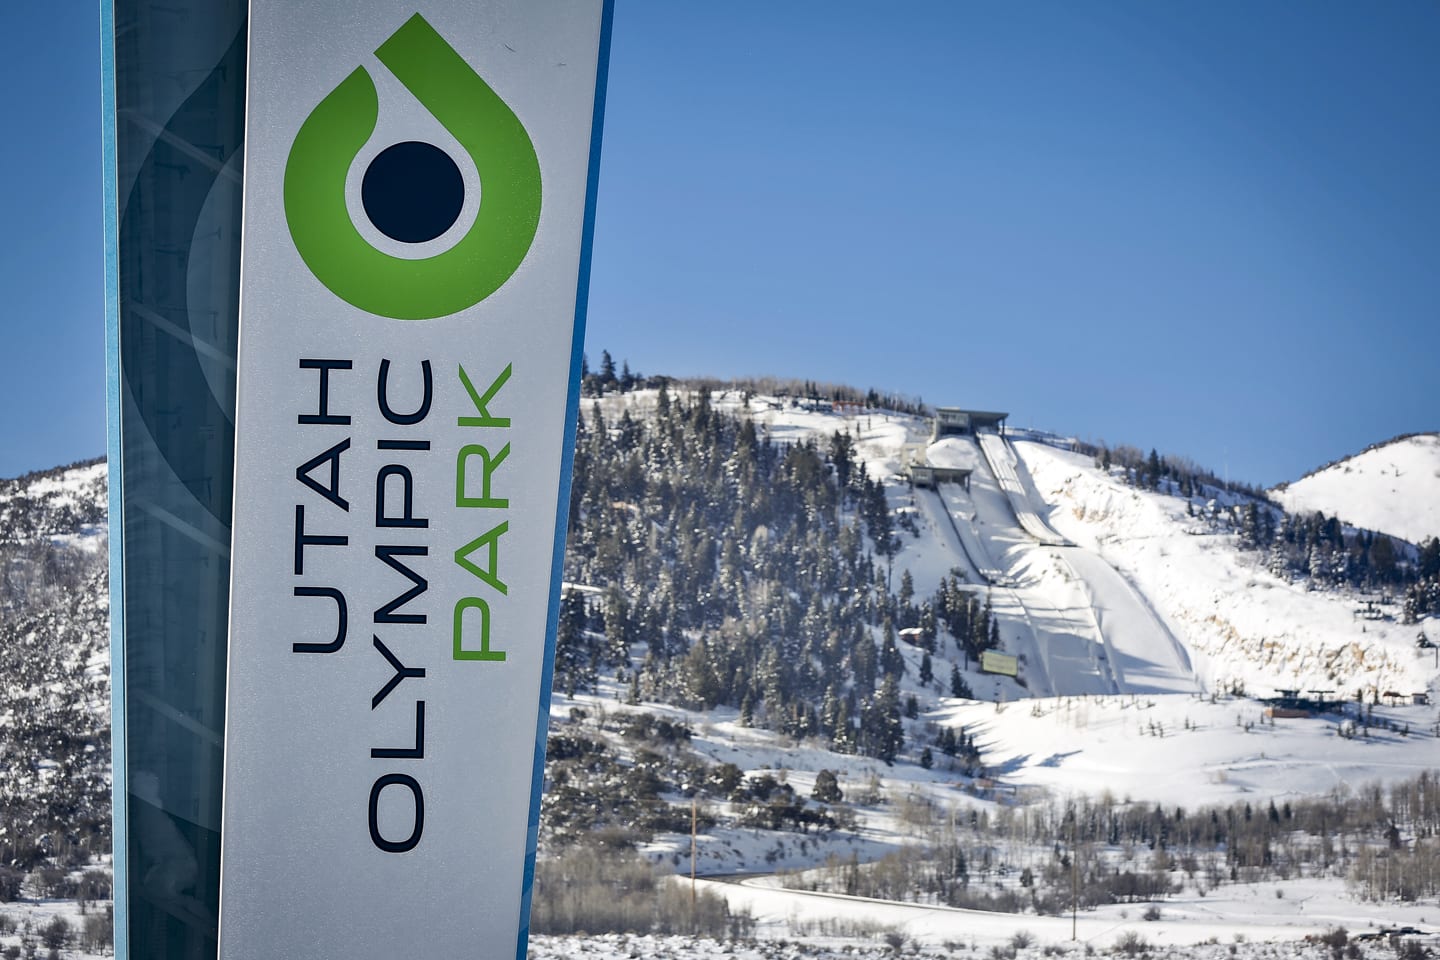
{"points": [[1152, 601], [771, 634], [1393, 487], [65, 504], [1243, 624], [54, 684]]}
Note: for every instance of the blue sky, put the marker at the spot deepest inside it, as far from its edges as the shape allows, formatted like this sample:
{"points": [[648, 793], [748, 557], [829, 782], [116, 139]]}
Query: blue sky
{"points": [[1212, 227]]}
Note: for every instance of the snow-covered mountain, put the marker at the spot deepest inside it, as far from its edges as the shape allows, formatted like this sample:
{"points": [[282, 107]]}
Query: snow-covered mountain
{"points": [[1143, 613], [1392, 487]]}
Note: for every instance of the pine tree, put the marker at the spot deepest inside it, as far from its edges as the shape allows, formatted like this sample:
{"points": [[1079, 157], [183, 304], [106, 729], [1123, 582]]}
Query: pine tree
{"points": [[892, 662], [1429, 565], [1382, 558], [617, 627], [907, 591], [886, 730], [827, 787], [958, 686], [1250, 526], [947, 742], [927, 626], [864, 664], [980, 630], [574, 660], [926, 670]]}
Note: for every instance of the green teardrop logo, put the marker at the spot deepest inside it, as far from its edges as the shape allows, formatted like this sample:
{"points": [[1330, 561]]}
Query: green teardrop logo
{"points": [[410, 189]]}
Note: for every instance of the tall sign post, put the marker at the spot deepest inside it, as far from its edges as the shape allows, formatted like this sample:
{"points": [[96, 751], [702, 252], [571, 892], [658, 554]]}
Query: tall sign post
{"points": [[174, 107], [419, 191], [397, 200]]}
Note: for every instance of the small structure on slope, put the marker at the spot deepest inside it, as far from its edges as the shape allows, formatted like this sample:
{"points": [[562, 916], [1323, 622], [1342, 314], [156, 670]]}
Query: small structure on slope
{"points": [[959, 422], [929, 475]]}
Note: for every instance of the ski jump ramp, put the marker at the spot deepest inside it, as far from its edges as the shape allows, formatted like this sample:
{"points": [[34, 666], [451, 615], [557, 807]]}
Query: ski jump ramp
{"points": [[1006, 469], [1087, 630]]}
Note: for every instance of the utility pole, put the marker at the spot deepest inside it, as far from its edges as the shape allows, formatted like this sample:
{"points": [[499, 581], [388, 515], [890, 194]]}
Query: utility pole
{"points": [[1074, 877], [694, 826]]}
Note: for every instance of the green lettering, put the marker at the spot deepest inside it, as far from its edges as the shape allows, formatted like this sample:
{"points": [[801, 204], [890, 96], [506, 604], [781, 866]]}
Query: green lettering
{"points": [[491, 540], [489, 464], [484, 653], [482, 403]]}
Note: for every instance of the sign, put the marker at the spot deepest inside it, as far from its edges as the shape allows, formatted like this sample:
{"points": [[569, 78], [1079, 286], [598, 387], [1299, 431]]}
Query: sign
{"points": [[992, 662], [419, 191]]}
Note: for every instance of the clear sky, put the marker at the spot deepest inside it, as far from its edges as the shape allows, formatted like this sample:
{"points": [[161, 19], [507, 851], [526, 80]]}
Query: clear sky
{"points": [[1209, 227]]}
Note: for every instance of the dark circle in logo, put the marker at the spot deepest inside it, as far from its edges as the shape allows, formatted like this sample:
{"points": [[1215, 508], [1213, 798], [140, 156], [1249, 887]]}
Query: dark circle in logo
{"points": [[412, 192]]}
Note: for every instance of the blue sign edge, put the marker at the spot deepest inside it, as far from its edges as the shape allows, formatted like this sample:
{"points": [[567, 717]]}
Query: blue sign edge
{"points": [[119, 808], [567, 461]]}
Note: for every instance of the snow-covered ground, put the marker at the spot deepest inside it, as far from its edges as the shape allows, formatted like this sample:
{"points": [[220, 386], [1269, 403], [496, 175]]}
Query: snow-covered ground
{"points": [[1391, 487], [1261, 920], [1187, 749], [28, 920], [1284, 910], [886, 942], [1238, 622]]}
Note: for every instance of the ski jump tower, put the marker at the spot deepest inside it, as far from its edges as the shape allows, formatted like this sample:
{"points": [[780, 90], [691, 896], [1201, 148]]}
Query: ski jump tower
{"points": [[959, 422]]}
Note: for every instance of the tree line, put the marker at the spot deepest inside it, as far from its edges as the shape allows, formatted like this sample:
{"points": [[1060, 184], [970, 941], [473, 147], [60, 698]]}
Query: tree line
{"points": [[758, 576], [1307, 546]]}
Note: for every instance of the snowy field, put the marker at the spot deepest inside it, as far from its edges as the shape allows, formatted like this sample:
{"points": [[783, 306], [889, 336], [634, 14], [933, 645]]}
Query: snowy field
{"points": [[1284, 911], [830, 948], [1188, 750], [1264, 920]]}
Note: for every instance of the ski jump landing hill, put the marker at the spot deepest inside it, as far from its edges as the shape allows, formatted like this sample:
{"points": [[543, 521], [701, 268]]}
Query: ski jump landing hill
{"points": [[1080, 626]]}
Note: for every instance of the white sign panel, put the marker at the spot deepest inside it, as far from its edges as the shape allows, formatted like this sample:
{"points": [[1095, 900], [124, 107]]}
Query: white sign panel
{"points": [[417, 203]]}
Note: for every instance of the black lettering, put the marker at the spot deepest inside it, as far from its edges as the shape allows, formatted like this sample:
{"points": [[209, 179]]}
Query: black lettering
{"points": [[303, 540], [341, 618], [404, 419], [407, 516], [402, 672], [332, 492], [416, 752], [387, 554], [417, 796], [324, 366]]}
